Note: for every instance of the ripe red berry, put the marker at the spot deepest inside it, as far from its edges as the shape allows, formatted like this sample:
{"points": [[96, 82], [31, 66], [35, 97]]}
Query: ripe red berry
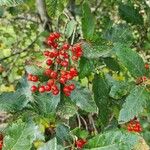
{"points": [[62, 80], [55, 92], [54, 75], [147, 66], [47, 88], [58, 60], [29, 77], [56, 53], [34, 88], [47, 72], [46, 53], [35, 78], [1, 141], [52, 37], [74, 58], [54, 87], [51, 55], [73, 71], [51, 82], [66, 46], [79, 54], [144, 78], [57, 35], [71, 87], [66, 89], [67, 93], [42, 89], [55, 45], [69, 76], [49, 62], [64, 63], [80, 143]]}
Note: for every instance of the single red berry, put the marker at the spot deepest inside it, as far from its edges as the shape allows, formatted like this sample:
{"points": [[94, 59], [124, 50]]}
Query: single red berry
{"points": [[62, 52], [69, 76], [71, 87], [64, 63], [47, 88], [147, 66], [55, 45], [62, 80], [78, 48], [54, 75], [34, 88], [56, 53], [57, 35], [29, 77], [52, 37], [67, 93], [49, 62], [47, 72], [74, 49], [66, 46], [51, 55], [73, 71], [51, 82], [42, 89], [79, 54], [74, 58], [80, 143], [65, 55], [55, 92], [35, 78], [66, 89], [58, 60], [46, 53], [54, 87]]}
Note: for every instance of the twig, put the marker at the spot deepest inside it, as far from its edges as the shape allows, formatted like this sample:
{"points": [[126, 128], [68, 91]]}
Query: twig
{"points": [[86, 127], [79, 121]]}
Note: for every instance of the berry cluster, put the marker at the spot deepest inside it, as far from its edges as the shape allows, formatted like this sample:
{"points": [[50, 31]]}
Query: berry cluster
{"points": [[61, 59], [134, 126], [80, 143]]}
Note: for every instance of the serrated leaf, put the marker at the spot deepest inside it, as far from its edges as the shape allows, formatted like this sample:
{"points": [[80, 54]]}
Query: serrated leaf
{"points": [[63, 133], [119, 140], [134, 104], [46, 103], [66, 109], [101, 96], [51, 145], [83, 98], [119, 33], [12, 101], [51, 7], [20, 135], [11, 2], [130, 14], [95, 51], [88, 21], [119, 89], [86, 67], [70, 28], [131, 60], [112, 63]]}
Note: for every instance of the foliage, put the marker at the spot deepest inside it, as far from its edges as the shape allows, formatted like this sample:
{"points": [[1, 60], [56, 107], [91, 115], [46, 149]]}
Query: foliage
{"points": [[112, 86]]}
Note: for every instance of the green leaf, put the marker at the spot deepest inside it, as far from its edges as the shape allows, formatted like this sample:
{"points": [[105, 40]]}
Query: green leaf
{"points": [[46, 103], [88, 21], [86, 67], [51, 7], [63, 134], [95, 51], [134, 104], [112, 63], [131, 60], [20, 136], [119, 89], [82, 134], [130, 14], [70, 28], [119, 33], [11, 2], [66, 108], [83, 98], [101, 96], [51, 145], [117, 140]]}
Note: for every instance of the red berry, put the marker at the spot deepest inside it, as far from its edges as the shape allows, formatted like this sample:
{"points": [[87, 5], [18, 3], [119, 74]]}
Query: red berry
{"points": [[29, 77], [144, 78], [54, 87], [64, 63], [69, 76], [67, 93], [47, 88], [42, 89], [55, 45], [49, 62], [55, 92], [147, 66], [74, 49], [35, 78], [80, 143], [62, 80], [58, 60], [47, 72], [71, 87], [51, 55], [79, 54], [34, 88], [66, 89], [66, 46], [52, 37], [57, 35], [56, 53], [73, 71], [78, 48], [65, 55], [46, 53], [54, 75], [49, 42], [51, 82], [74, 58]]}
